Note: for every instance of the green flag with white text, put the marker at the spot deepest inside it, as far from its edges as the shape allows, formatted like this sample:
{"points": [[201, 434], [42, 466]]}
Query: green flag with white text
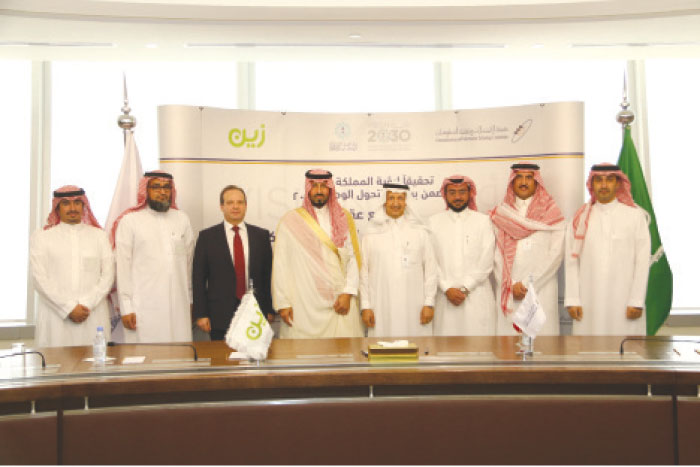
{"points": [[660, 285]]}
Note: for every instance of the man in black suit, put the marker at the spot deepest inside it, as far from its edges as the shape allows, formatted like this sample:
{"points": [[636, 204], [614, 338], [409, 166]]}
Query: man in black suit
{"points": [[227, 256]]}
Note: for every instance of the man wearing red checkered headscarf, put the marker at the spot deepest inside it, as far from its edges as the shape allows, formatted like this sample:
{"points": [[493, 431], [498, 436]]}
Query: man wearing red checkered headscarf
{"points": [[530, 232], [464, 246], [73, 270], [154, 246], [607, 258], [315, 266]]}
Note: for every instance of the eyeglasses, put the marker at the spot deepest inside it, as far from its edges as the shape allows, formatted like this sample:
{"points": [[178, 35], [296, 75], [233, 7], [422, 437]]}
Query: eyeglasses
{"points": [[160, 187]]}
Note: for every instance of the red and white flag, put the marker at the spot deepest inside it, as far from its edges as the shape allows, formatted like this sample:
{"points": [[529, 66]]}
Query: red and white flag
{"points": [[124, 197]]}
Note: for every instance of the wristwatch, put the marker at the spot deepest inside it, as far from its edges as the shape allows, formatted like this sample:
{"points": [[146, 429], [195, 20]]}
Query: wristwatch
{"points": [[463, 289]]}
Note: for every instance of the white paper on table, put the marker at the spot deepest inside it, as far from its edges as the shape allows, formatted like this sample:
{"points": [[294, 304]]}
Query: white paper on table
{"points": [[530, 316], [394, 344], [132, 360]]}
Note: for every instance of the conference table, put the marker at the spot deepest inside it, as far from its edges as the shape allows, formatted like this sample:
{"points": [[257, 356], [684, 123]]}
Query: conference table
{"points": [[465, 400]]}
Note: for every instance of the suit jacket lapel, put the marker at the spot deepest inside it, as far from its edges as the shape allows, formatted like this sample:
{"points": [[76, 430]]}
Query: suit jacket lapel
{"points": [[222, 242], [251, 250]]}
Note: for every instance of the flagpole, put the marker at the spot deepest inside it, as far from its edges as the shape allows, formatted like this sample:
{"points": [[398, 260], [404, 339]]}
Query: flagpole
{"points": [[659, 293], [625, 116], [125, 121], [125, 196]]}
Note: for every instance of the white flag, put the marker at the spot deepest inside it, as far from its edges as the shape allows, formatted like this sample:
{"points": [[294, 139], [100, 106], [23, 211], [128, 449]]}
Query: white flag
{"points": [[124, 197], [530, 316], [249, 332], [128, 183]]}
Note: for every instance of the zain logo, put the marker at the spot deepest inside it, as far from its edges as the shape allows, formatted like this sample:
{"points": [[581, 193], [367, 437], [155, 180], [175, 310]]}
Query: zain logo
{"points": [[240, 138], [521, 130]]}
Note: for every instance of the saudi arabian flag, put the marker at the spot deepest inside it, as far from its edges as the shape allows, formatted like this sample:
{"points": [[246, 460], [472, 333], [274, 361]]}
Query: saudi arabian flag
{"points": [[660, 285]]}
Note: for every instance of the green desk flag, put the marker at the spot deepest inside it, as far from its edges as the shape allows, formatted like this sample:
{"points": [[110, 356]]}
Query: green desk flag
{"points": [[660, 284]]}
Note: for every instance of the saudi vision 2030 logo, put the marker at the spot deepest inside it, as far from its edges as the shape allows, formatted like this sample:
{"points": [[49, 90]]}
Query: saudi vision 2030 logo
{"points": [[240, 138]]}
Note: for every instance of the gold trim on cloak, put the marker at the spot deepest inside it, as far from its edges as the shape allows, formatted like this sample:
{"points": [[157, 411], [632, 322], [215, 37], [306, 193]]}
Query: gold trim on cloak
{"points": [[323, 236]]}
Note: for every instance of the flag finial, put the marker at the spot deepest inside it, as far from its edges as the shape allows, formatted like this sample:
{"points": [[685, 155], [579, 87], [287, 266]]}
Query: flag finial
{"points": [[625, 116], [126, 121]]}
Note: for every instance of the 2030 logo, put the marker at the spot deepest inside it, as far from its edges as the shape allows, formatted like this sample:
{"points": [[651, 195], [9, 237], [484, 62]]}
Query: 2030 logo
{"points": [[389, 135]]}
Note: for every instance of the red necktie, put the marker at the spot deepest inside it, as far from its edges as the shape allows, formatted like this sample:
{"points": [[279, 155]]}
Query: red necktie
{"points": [[239, 263]]}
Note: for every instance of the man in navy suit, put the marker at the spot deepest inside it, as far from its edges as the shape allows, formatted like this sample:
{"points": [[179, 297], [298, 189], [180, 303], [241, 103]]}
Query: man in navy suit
{"points": [[226, 258]]}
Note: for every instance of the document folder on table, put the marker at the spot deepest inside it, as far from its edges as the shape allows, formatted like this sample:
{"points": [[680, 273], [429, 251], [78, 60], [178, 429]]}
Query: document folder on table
{"points": [[405, 353]]}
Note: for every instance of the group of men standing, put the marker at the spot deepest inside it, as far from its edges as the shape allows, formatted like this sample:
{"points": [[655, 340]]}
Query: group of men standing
{"points": [[407, 277], [73, 263]]}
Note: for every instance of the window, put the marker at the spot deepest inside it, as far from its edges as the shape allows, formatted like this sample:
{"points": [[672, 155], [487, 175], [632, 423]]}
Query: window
{"points": [[672, 101], [15, 121], [599, 84], [345, 86], [87, 145]]}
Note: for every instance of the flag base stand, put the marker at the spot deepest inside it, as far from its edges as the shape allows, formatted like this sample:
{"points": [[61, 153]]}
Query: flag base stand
{"points": [[527, 346]]}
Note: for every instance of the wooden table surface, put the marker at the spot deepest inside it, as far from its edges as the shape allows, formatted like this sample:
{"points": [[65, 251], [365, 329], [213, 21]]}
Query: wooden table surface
{"points": [[331, 363]]}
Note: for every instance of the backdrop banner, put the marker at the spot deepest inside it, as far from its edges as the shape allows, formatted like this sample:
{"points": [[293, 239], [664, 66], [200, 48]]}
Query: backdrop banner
{"points": [[267, 154]]}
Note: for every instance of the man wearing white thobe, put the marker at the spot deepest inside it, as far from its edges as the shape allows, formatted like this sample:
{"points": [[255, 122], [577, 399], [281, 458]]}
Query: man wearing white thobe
{"points": [[607, 258], [398, 277], [73, 270], [530, 231], [153, 248], [315, 266], [464, 246]]}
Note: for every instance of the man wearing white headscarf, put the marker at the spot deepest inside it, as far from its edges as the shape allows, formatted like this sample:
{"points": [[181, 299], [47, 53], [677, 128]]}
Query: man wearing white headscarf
{"points": [[530, 232], [607, 258], [464, 246], [315, 266], [73, 270], [154, 246], [399, 274]]}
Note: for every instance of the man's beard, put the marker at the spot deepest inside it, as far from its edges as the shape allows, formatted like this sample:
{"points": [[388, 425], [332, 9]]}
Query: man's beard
{"points": [[318, 203], [160, 206], [456, 209]]}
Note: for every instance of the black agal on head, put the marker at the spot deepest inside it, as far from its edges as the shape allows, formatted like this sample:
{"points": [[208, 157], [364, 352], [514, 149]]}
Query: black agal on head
{"points": [[158, 175], [313, 176], [68, 194], [525, 167]]}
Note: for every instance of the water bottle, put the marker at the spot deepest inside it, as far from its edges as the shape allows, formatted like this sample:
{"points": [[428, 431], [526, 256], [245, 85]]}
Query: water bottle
{"points": [[99, 347]]}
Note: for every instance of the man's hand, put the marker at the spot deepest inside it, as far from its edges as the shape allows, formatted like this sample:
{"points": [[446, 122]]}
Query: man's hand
{"points": [[204, 324], [270, 318], [576, 312], [287, 315], [342, 304], [129, 321], [79, 314], [455, 296], [519, 291], [634, 312], [426, 314], [368, 317]]}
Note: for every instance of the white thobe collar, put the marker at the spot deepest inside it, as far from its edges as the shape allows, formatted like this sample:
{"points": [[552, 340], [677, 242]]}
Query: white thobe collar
{"points": [[458, 216], [398, 220], [322, 211], [396, 223], [608, 207], [69, 227], [153, 212], [323, 215], [521, 205]]}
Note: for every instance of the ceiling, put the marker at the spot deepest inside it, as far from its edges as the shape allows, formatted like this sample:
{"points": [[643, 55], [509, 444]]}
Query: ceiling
{"points": [[347, 30]]}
